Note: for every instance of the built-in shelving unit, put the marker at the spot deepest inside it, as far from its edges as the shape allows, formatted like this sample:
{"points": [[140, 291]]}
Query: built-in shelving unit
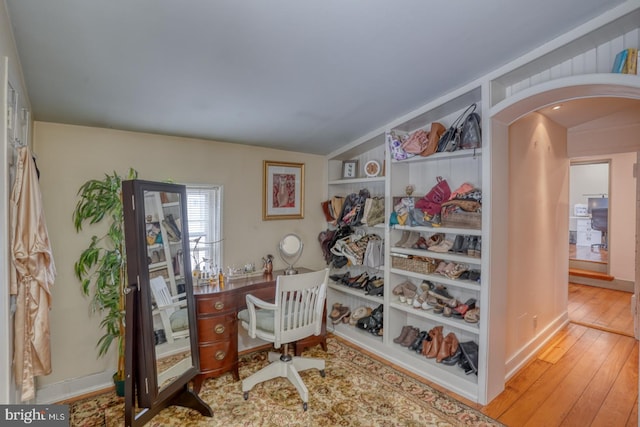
{"points": [[582, 57]]}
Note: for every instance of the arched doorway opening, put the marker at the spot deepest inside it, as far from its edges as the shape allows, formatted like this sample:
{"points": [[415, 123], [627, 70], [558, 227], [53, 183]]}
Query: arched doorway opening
{"points": [[528, 322]]}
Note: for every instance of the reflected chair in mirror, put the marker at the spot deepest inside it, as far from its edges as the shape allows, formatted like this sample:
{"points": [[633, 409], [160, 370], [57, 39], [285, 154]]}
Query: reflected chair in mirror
{"points": [[171, 309], [296, 313], [600, 222]]}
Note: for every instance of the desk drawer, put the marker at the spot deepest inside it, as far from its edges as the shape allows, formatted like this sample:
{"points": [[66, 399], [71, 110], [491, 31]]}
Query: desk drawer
{"points": [[217, 356], [217, 328], [215, 304]]}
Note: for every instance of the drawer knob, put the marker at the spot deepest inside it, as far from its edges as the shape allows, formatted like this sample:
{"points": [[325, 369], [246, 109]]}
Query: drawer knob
{"points": [[219, 305], [220, 355], [219, 329]]}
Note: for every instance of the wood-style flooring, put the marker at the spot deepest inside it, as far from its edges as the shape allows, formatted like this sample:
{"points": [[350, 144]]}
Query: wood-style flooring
{"points": [[605, 309], [585, 376]]}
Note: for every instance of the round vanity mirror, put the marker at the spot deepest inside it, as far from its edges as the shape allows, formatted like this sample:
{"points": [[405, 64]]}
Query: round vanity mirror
{"points": [[290, 249]]}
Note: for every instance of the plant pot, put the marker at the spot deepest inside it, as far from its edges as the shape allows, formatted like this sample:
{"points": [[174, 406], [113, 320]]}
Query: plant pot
{"points": [[119, 385]]}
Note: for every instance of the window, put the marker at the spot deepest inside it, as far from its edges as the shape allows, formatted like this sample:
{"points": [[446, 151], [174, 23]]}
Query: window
{"points": [[204, 214]]}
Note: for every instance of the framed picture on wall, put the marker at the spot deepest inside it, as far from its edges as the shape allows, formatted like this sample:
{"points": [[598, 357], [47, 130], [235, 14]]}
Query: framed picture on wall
{"points": [[283, 190]]}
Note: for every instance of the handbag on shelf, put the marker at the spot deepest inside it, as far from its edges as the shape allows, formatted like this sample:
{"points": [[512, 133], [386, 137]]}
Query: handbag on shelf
{"points": [[471, 135], [436, 132], [374, 254], [395, 147], [417, 142], [433, 200], [451, 139]]}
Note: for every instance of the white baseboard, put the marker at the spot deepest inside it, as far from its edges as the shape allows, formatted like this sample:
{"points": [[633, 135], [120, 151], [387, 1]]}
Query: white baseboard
{"points": [[529, 350], [74, 387]]}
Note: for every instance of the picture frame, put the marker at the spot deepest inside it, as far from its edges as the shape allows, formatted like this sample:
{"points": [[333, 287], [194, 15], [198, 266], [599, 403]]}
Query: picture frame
{"points": [[282, 190], [349, 169]]}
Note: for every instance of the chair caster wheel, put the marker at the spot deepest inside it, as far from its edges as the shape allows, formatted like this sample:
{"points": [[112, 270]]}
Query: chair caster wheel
{"points": [[323, 373], [246, 395], [304, 406]]}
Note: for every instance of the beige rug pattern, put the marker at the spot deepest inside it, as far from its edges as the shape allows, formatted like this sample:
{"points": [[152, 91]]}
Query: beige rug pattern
{"points": [[357, 391]]}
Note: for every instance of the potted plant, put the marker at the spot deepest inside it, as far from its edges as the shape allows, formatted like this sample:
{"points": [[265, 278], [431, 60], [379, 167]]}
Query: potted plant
{"points": [[101, 267]]}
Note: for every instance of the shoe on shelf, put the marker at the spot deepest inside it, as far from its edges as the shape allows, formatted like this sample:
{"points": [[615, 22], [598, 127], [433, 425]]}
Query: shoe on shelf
{"points": [[403, 334], [413, 238], [440, 292], [472, 316], [440, 268], [450, 346], [403, 239], [426, 285], [436, 342], [420, 244], [465, 244], [416, 345], [472, 246], [338, 312], [457, 243], [443, 247], [435, 239], [410, 337], [399, 289], [477, 251], [454, 358], [359, 313]]}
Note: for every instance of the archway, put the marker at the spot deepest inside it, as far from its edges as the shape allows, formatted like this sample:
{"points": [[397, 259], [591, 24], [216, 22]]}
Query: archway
{"points": [[501, 118]]}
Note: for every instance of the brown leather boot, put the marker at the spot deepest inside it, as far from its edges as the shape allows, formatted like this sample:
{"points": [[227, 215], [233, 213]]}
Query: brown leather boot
{"points": [[426, 345], [445, 348], [411, 337], [437, 342], [403, 334], [454, 343]]}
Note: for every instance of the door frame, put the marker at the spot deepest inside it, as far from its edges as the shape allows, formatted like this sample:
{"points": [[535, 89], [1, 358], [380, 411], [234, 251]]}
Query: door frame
{"points": [[497, 123]]}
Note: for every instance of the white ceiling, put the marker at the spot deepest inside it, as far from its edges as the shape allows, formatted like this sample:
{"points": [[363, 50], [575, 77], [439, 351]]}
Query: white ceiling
{"points": [[307, 76]]}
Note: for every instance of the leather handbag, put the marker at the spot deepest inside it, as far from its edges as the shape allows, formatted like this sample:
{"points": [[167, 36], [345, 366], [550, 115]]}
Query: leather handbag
{"points": [[450, 140], [417, 142], [436, 132], [432, 202], [470, 135]]}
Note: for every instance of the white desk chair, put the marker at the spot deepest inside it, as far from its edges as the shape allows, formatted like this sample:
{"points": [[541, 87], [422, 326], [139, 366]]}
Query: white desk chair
{"points": [[171, 309], [297, 313]]}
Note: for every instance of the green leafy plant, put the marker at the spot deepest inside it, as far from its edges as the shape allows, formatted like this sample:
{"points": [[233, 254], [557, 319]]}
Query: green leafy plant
{"points": [[101, 267]]}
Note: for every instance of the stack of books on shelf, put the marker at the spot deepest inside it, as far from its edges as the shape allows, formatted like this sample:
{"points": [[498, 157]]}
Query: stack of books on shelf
{"points": [[626, 62]]}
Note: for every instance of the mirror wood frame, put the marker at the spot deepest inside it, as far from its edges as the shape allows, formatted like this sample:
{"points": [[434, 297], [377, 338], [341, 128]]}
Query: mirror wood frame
{"points": [[141, 369]]}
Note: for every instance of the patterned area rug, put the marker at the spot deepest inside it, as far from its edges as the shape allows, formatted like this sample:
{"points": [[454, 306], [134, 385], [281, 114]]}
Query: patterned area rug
{"points": [[357, 391]]}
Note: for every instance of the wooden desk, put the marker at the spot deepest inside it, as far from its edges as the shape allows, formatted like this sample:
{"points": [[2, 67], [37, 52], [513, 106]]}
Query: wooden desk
{"points": [[216, 313]]}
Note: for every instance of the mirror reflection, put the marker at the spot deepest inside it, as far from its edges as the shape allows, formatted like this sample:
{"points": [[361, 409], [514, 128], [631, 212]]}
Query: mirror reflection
{"points": [[166, 280]]}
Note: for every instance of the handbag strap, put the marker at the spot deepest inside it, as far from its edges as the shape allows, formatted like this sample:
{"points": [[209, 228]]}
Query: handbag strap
{"points": [[470, 109]]}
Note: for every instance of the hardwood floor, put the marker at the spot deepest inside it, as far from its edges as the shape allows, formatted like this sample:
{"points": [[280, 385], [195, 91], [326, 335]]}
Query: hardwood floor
{"points": [[585, 376], [600, 308]]}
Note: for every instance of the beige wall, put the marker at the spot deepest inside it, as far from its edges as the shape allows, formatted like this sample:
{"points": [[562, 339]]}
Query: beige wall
{"points": [[538, 224], [70, 155]]}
